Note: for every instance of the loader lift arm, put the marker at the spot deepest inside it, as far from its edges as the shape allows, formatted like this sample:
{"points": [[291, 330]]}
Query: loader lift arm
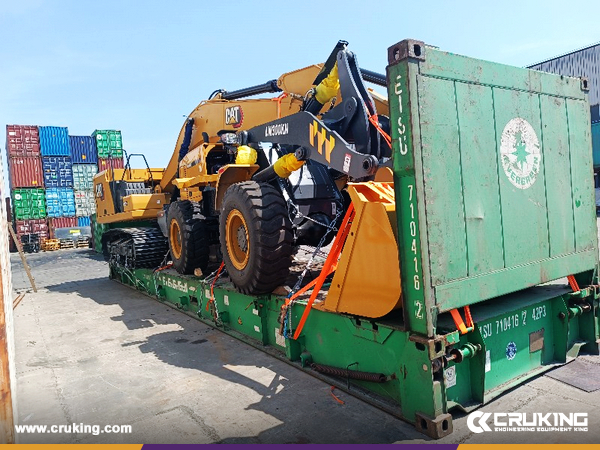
{"points": [[343, 138]]}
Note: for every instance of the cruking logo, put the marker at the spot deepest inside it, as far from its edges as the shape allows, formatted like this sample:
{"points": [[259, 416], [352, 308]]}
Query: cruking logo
{"points": [[478, 422]]}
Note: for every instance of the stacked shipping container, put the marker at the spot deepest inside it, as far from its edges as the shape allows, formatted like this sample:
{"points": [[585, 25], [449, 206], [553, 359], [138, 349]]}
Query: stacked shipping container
{"points": [[85, 205], [60, 202], [110, 163], [22, 140], [109, 143], [85, 157], [87, 151], [58, 171], [83, 176], [61, 222], [26, 179], [83, 150], [25, 171], [54, 141], [51, 175], [110, 149], [84, 221], [28, 204], [34, 226]]}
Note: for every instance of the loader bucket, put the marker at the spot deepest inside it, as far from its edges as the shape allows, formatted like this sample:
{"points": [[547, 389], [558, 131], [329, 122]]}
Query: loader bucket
{"points": [[367, 279]]}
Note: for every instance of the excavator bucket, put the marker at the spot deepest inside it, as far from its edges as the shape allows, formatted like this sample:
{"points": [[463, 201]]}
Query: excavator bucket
{"points": [[367, 280]]}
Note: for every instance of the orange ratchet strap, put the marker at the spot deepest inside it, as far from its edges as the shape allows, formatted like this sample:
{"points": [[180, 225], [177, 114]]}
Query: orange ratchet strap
{"points": [[460, 325], [573, 283], [212, 286], [328, 267], [375, 122]]}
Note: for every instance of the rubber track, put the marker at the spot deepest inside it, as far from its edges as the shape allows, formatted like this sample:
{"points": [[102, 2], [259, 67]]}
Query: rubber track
{"points": [[135, 248], [270, 225]]}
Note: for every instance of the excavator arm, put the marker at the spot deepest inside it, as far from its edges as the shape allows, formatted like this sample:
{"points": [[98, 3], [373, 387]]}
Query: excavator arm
{"points": [[346, 125]]}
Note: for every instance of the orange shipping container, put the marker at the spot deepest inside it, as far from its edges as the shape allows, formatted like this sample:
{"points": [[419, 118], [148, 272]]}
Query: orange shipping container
{"points": [[107, 163], [61, 222], [25, 172]]}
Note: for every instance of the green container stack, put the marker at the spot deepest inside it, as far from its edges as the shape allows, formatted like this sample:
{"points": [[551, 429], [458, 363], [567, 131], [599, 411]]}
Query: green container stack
{"points": [[109, 143], [29, 203]]}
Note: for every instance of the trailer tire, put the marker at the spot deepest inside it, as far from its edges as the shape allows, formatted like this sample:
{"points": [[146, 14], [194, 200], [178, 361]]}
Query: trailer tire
{"points": [[188, 237], [256, 237]]}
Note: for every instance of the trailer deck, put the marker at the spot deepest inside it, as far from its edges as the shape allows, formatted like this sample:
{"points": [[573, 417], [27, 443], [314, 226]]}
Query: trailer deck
{"points": [[94, 351]]}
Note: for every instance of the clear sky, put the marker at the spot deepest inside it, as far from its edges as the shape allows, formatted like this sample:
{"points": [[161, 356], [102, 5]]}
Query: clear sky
{"points": [[141, 66]]}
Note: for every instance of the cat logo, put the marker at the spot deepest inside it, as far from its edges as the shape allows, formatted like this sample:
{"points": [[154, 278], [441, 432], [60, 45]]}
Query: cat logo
{"points": [[234, 116], [323, 144]]}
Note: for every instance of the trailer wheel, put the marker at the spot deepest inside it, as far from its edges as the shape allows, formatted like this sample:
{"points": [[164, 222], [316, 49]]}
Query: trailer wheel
{"points": [[256, 237], [188, 237]]}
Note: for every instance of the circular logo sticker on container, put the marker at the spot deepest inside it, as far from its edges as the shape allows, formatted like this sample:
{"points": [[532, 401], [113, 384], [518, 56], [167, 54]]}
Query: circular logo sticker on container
{"points": [[450, 374], [520, 153], [511, 351]]}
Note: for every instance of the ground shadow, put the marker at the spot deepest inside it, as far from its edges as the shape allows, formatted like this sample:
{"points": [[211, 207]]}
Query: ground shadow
{"points": [[305, 417]]}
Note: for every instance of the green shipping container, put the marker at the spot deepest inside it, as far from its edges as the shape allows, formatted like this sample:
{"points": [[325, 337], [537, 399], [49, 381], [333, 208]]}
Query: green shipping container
{"points": [[29, 203], [494, 179], [109, 143]]}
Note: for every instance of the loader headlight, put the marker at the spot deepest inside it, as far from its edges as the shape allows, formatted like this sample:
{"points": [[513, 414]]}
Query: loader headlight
{"points": [[230, 139]]}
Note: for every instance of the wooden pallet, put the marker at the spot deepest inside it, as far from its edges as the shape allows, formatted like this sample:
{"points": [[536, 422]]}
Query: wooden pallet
{"points": [[49, 245], [67, 243], [82, 243]]}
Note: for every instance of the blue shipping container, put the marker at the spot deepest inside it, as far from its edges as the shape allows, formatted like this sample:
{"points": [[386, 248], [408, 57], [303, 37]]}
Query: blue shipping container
{"points": [[58, 171], [60, 202], [83, 150], [54, 141], [84, 222], [596, 144]]}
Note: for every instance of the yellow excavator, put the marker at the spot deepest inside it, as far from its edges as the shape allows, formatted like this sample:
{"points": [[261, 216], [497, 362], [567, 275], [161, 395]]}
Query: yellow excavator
{"points": [[251, 179]]}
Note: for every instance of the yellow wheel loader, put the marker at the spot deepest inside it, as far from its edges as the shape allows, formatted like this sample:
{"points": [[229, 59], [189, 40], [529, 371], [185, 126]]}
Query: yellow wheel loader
{"points": [[250, 180]]}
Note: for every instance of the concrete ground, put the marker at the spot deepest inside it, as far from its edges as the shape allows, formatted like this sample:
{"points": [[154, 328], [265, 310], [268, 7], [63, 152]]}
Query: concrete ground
{"points": [[90, 351]]}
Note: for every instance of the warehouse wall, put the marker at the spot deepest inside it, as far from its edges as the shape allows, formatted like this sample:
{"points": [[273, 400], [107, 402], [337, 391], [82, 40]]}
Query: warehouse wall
{"points": [[580, 63]]}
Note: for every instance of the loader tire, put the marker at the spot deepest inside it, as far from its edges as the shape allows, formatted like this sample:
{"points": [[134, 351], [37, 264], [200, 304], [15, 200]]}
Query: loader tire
{"points": [[256, 237], [188, 237]]}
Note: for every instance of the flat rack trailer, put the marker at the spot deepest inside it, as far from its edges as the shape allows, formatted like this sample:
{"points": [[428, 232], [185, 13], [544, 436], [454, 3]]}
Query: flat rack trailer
{"points": [[492, 199]]}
